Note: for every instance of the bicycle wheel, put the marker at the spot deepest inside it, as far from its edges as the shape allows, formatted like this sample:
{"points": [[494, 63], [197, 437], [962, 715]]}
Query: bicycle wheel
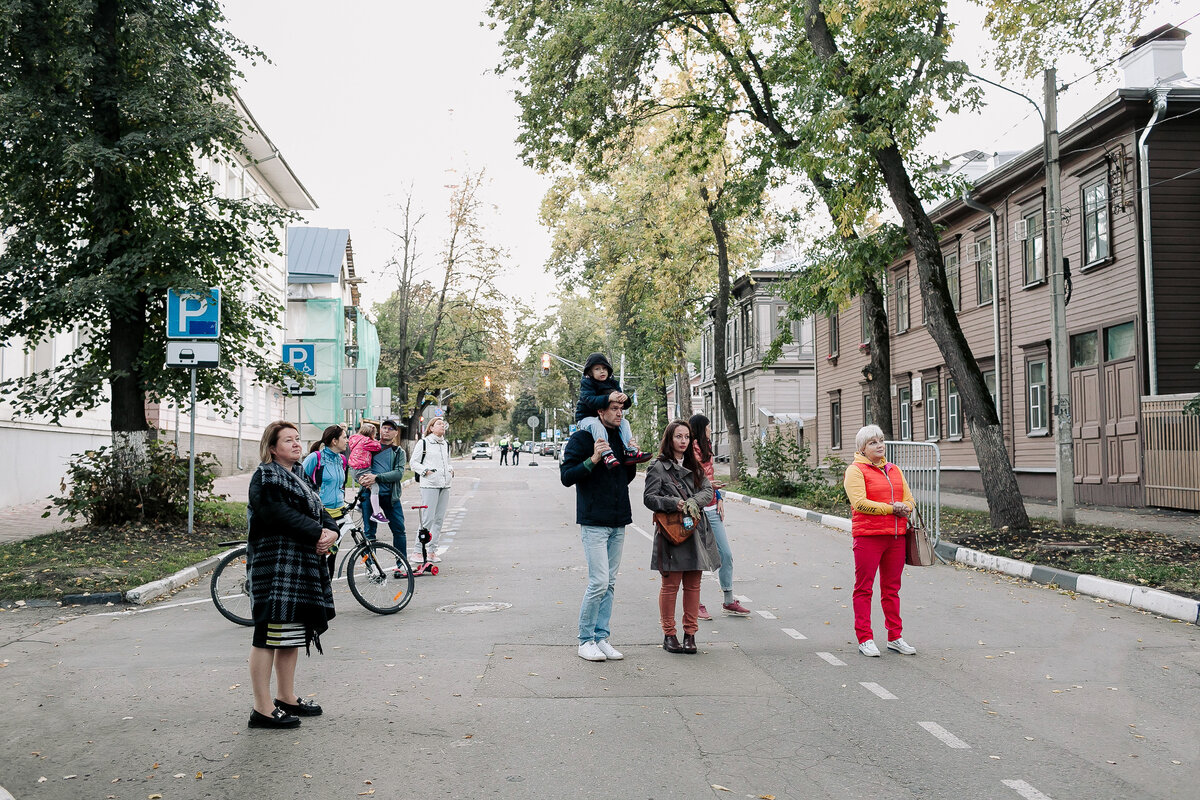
{"points": [[372, 577], [230, 587]]}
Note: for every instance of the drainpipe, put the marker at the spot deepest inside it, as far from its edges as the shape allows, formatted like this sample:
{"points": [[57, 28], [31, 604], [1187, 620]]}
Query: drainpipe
{"points": [[1160, 105], [991, 212]]}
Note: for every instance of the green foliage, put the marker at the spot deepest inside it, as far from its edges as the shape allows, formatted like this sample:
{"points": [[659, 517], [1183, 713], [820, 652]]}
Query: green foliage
{"points": [[783, 465], [104, 108], [97, 489]]}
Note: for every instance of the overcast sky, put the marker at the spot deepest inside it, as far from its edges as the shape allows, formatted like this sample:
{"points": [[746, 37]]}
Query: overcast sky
{"points": [[367, 98]]}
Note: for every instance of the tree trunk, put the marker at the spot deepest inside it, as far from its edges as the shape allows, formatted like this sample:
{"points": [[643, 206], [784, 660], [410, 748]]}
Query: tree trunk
{"points": [[664, 413], [683, 384], [879, 372], [720, 319], [1005, 505]]}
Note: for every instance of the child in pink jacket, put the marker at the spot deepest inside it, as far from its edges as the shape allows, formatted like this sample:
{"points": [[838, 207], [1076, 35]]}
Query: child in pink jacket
{"points": [[364, 445]]}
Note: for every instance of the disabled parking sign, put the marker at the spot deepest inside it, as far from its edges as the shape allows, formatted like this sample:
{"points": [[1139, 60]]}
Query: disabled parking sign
{"points": [[193, 315]]}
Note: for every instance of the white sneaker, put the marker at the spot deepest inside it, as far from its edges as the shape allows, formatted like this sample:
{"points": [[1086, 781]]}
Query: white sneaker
{"points": [[590, 651], [610, 652], [868, 648], [902, 647]]}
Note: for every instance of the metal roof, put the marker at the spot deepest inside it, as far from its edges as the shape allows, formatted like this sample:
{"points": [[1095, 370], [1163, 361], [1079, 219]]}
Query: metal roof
{"points": [[315, 255]]}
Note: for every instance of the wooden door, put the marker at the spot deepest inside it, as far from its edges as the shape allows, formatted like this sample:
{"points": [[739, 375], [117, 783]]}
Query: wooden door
{"points": [[1085, 424]]}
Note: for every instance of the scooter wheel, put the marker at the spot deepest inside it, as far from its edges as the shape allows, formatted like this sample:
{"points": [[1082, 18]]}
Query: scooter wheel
{"points": [[433, 570]]}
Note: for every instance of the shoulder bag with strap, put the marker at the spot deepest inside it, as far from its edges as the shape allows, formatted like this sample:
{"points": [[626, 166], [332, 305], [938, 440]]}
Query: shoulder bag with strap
{"points": [[670, 523], [417, 475], [918, 548]]}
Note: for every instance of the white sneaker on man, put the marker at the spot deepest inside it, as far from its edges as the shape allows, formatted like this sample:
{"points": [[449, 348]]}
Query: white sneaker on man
{"points": [[868, 648], [590, 651], [902, 647], [610, 652]]}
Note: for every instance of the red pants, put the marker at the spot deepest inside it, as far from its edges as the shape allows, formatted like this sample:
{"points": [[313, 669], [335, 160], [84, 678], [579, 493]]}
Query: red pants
{"points": [[691, 600], [885, 555]]}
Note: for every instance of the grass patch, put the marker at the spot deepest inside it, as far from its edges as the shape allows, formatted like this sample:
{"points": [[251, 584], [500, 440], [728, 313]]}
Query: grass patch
{"points": [[96, 559]]}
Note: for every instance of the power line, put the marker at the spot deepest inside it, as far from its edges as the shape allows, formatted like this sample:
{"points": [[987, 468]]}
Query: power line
{"points": [[1110, 62]]}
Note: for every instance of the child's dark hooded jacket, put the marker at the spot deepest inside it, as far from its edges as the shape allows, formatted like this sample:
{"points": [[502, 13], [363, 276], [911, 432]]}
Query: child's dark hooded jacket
{"points": [[593, 394]]}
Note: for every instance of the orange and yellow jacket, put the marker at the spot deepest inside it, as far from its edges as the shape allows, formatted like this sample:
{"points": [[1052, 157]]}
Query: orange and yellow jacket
{"points": [[872, 488]]}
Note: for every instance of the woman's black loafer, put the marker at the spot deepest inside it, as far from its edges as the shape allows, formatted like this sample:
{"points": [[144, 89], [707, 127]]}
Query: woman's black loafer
{"points": [[301, 708], [276, 719]]}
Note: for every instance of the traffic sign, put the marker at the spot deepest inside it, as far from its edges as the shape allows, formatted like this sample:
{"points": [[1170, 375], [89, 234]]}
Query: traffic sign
{"points": [[301, 357], [193, 315], [193, 355], [572, 428], [533, 421]]}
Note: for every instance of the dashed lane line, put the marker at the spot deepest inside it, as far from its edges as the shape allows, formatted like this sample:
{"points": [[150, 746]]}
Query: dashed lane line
{"points": [[832, 659], [642, 532], [765, 614], [947, 738], [877, 690], [792, 632], [1025, 790]]}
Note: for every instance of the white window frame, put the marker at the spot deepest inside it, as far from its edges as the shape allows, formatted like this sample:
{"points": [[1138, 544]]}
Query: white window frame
{"points": [[983, 271], [1097, 221], [902, 309], [1033, 249], [1037, 417], [953, 410], [932, 390], [950, 262], [904, 401]]}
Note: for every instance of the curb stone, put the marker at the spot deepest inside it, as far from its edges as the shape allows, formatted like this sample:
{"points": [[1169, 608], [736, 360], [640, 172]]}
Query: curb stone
{"points": [[1141, 597], [156, 589]]}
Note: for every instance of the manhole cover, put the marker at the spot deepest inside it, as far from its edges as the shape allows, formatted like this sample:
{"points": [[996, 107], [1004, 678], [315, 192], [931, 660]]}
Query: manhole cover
{"points": [[473, 608]]}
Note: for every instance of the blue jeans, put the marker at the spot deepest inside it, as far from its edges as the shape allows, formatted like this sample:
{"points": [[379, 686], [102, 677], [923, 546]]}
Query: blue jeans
{"points": [[602, 549], [394, 515], [725, 573], [596, 428]]}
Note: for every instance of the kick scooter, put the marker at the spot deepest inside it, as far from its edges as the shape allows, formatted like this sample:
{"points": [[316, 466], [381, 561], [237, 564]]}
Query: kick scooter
{"points": [[424, 537]]}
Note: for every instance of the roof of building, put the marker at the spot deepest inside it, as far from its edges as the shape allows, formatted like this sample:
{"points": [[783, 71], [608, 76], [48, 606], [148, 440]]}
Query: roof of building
{"points": [[316, 255], [270, 163]]}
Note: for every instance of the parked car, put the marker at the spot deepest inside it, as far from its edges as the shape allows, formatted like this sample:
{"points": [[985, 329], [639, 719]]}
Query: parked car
{"points": [[481, 450], [527, 447]]}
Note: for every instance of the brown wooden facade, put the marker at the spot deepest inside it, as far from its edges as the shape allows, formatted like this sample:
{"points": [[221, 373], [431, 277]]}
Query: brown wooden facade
{"points": [[1106, 315]]}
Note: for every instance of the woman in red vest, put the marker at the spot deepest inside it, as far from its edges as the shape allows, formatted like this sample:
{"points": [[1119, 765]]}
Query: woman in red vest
{"points": [[881, 502]]}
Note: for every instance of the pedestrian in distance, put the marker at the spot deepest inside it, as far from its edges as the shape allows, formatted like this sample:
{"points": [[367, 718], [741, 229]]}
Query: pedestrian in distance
{"points": [[503, 451], [290, 533], [602, 511], [363, 447], [325, 466], [675, 481], [516, 453], [387, 473], [596, 390], [431, 461], [880, 502], [715, 511]]}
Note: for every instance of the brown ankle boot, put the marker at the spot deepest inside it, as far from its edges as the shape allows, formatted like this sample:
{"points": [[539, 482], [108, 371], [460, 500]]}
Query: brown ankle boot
{"points": [[671, 644], [689, 643]]}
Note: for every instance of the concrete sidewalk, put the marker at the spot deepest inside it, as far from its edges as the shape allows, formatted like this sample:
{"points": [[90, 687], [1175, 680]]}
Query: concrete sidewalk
{"points": [[25, 521]]}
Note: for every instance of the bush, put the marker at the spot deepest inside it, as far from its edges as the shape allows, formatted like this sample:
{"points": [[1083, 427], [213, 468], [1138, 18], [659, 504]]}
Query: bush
{"points": [[97, 490], [784, 471]]}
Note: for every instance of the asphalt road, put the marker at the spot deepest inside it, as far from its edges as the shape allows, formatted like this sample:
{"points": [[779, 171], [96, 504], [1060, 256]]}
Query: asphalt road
{"points": [[1017, 691]]}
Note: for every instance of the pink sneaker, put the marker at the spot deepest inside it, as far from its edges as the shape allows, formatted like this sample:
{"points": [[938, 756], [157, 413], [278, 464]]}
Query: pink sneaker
{"points": [[380, 517], [704, 613], [735, 609]]}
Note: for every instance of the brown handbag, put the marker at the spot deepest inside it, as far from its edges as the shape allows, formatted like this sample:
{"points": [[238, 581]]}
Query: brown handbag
{"points": [[671, 522], [918, 551], [671, 525]]}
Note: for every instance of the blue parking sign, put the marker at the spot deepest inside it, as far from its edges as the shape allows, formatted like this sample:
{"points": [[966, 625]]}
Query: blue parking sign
{"points": [[301, 357], [193, 315]]}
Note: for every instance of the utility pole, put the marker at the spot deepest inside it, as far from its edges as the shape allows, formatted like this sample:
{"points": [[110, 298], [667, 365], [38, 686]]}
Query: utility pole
{"points": [[1064, 459]]}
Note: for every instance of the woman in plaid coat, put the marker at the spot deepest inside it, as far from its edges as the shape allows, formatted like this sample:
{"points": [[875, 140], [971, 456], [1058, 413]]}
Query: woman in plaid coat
{"points": [[291, 598]]}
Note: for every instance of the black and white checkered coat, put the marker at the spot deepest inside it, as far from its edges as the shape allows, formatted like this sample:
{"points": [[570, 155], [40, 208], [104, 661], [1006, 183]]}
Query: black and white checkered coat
{"points": [[289, 582]]}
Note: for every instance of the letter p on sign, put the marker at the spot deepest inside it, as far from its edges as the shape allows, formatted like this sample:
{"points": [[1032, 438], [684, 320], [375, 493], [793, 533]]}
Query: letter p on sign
{"points": [[193, 315]]}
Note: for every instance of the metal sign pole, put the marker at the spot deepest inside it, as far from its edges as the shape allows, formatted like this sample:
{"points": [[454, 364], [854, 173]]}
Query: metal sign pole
{"points": [[192, 459]]}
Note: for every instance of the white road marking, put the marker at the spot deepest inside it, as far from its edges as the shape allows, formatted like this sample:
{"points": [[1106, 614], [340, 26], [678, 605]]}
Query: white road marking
{"points": [[765, 614], [642, 532], [792, 632], [832, 659], [948, 738], [877, 690], [1025, 790]]}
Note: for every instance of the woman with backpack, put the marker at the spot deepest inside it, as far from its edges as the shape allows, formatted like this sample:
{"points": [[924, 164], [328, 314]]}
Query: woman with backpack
{"points": [[431, 465], [325, 467]]}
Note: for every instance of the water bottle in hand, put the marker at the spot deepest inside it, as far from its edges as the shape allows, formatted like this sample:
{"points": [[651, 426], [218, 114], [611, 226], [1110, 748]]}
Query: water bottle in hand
{"points": [[688, 523]]}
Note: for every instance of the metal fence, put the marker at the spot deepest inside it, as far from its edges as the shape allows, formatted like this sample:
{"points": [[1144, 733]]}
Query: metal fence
{"points": [[1171, 441], [921, 463]]}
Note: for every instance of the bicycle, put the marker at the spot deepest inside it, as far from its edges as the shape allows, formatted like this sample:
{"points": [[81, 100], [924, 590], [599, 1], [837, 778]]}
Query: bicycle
{"points": [[379, 588]]}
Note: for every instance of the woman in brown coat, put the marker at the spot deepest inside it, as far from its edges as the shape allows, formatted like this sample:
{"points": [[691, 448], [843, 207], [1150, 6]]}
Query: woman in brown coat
{"points": [[675, 481]]}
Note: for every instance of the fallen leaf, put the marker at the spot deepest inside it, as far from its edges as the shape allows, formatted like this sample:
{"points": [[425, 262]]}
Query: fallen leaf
{"points": [[766, 797], [179, 775], [199, 775], [154, 797], [42, 779], [368, 791], [306, 775], [68, 777], [721, 788]]}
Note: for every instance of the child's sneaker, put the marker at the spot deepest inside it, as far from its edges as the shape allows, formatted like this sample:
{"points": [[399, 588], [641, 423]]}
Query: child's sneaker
{"points": [[637, 456], [380, 517], [610, 461]]}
